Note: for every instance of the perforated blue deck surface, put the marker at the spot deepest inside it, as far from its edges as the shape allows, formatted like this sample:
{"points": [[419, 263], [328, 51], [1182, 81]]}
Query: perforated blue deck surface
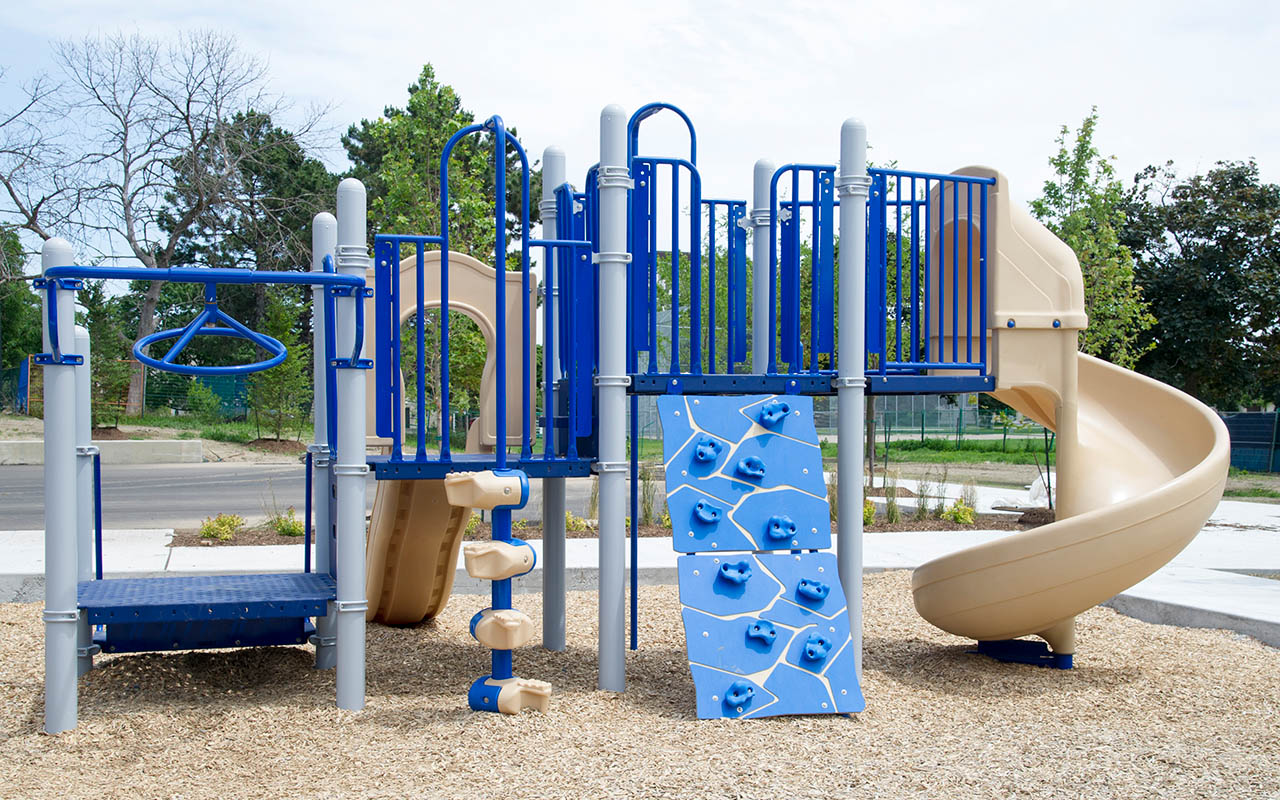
{"points": [[213, 597], [767, 633]]}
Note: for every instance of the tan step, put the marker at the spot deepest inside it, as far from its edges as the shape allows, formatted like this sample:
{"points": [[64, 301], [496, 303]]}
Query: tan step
{"points": [[496, 561], [503, 628]]}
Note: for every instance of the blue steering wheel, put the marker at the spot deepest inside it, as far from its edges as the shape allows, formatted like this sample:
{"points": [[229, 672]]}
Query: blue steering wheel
{"points": [[212, 316]]}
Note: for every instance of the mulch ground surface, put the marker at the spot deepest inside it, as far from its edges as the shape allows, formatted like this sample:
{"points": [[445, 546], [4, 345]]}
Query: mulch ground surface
{"points": [[1149, 711]]}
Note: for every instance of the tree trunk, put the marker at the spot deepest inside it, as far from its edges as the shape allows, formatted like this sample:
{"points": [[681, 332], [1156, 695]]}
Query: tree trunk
{"points": [[146, 327]]}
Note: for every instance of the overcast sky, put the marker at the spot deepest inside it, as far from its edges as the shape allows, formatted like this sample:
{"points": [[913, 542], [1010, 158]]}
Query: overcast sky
{"points": [[939, 84]]}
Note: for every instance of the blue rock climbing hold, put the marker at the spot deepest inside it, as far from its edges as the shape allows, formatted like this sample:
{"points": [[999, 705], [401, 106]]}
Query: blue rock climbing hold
{"points": [[706, 513], [762, 630], [706, 450], [810, 589], [739, 695], [773, 412], [780, 528], [736, 572], [751, 467], [816, 647]]}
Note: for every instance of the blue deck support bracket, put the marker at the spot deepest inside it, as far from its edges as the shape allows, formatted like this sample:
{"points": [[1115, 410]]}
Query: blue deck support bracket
{"points": [[1024, 651]]}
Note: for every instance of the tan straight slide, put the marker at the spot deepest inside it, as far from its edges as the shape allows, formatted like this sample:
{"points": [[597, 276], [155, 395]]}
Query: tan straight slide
{"points": [[1141, 465], [414, 533]]}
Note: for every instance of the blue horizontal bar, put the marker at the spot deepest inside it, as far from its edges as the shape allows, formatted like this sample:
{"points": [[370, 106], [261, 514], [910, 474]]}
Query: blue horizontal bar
{"points": [[418, 469], [672, 383], [929, 384], [935, 176], [400, 238], [207, 275]]}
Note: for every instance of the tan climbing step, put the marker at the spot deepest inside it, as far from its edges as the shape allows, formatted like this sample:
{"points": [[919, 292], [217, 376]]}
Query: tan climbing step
{"points": [[489, 490], [517, 694], [496, 561], [502, 628]]}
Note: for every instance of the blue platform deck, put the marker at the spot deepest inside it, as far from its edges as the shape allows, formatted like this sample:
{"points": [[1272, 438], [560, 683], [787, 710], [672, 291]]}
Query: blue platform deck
{"points": [[204, 598], [384, 469]]}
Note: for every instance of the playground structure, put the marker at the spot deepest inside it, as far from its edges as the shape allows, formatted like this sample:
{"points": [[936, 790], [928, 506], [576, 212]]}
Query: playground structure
{"points": [[942, 286]]}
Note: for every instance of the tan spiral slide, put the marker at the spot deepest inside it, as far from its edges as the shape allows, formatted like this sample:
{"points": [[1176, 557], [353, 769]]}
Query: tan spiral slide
{"points": [[1140, 465], [414, 533]]}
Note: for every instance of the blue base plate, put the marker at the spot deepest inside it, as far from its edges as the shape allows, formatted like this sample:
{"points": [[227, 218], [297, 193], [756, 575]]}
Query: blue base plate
{"points": [[1024, 651]]}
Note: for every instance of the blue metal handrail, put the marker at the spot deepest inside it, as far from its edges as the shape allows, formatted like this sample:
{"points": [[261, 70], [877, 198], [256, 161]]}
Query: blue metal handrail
{"points": [[736, 273], [908, 206], [822, 269]]}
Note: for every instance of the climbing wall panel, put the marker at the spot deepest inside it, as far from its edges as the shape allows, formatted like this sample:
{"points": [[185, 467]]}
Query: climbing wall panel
{"points": [[766, 621]]}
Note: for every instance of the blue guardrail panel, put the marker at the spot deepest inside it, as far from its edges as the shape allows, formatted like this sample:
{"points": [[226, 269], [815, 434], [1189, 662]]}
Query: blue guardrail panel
{"points": [[765, 618]]}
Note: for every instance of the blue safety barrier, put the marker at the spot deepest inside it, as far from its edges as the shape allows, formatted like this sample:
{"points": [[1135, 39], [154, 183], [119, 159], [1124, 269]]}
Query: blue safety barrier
{"points": [[927, 282]]}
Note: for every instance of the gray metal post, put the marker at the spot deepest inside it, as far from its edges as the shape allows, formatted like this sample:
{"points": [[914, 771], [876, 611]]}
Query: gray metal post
{"points": [[61, 610], [85, 451], [614, 181], [760, 343], [324, 241], [350, 466], [553, 489], [851, 382]]}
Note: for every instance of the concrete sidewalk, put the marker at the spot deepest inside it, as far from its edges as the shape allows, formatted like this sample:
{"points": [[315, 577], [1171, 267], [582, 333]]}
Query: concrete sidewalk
{"points": [[1205, 586]]}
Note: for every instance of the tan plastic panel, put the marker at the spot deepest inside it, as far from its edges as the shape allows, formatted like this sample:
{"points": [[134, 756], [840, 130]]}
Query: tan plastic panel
{"points": [[414, 536], [471, 292], [496, 561], [483, 489], [1141, 465], [504, 629]]}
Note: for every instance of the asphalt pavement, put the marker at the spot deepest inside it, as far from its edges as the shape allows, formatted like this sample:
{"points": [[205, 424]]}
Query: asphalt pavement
{"points": [[182, 495]]}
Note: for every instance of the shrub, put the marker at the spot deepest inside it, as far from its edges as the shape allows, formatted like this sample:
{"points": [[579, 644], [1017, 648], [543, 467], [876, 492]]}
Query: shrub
{"points": [[969, 494], [521, 524], [473, 525], [892, 513], [941, 505], [959, 512], [868, 512], [924, 490], [574, 523], [665, 521], [833, 495], [203, 403], [287, 524], [222, 527], [648, 495]]}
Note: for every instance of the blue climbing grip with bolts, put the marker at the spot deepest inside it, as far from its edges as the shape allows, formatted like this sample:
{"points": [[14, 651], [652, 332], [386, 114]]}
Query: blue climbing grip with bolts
{"points": [[765, 618]]}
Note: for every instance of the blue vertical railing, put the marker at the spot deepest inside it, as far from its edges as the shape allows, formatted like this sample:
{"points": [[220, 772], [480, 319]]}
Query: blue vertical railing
{"points": [[816, 182], [735, 290], [927, 273], [389, 418]]}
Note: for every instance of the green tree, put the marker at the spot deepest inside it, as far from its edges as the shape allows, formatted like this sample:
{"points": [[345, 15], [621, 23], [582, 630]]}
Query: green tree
{"points": [[397, 156], [1209, 250], [278, 396], [110, 364], [1085, 206], [20, 328]]}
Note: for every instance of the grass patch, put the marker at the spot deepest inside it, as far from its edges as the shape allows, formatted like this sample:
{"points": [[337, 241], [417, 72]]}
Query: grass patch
{"points": [[235, 432], [948, 451], [1252, 491]]}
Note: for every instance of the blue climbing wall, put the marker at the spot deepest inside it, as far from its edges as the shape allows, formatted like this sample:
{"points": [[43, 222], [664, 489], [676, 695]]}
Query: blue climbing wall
{"points": [[765, 619]]}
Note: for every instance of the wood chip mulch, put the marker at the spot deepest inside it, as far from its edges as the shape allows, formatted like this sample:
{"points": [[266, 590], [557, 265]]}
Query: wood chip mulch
{"points": [[1149, 711]]}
